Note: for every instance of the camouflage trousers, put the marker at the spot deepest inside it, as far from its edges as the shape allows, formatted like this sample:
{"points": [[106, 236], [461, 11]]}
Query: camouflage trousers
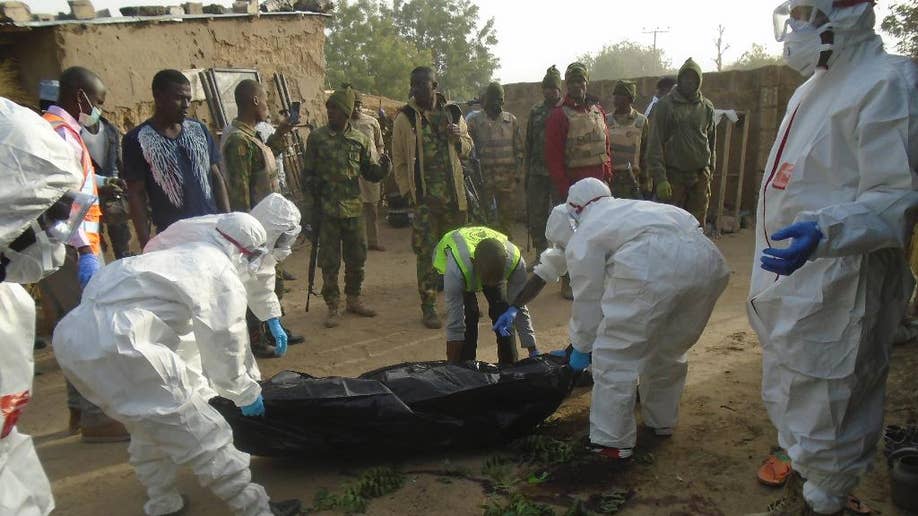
{"points": [[342, 237], [502, 185], [427, 228], [540, 199], [691, 192]]}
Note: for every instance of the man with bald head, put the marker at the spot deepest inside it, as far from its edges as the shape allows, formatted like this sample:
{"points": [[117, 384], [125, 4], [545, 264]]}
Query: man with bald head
{"points": [[251, 174], [79, 101]]}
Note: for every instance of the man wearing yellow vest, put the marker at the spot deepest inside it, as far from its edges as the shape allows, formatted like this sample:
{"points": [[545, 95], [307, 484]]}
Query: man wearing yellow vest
{"points": [[474, 259], [80, 95], [628, 130]]}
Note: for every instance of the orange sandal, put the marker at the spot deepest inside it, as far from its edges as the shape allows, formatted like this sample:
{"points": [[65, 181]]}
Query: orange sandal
{"points": [[856, 506], [775, 470]]}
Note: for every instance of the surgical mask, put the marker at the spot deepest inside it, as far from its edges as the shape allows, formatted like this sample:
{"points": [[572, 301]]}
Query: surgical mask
{"points": [[35, 261], [281, 253], [283, 246], [92, 118], [802, 50]]}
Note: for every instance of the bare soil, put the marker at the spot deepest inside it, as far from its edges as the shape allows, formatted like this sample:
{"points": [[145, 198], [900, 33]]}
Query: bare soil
{"points": [[707, 468]]}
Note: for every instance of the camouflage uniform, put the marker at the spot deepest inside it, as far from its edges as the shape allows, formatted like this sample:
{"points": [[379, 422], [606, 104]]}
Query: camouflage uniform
{"points": [[499, 147], [250, 166], [540, 193], [629, 145], [432, 180], [334, 163], [370, 191]]}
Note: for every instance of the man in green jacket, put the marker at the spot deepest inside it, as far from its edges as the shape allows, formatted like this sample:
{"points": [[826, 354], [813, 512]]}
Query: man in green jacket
{"points": [[337, 155], [429, 137], [680, 153]]}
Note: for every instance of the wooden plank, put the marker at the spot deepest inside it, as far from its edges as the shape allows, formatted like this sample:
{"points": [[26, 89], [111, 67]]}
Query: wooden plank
{"points": [[742, 167], [728, 136]]}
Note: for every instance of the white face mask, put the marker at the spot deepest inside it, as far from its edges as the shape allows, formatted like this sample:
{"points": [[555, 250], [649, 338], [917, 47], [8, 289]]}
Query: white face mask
{"points": [[92, 118], [34, 262], [802, 50]]}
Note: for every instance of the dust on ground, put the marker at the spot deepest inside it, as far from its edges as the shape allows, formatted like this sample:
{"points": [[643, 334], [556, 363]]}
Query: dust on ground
{"points": [[706, 468]]}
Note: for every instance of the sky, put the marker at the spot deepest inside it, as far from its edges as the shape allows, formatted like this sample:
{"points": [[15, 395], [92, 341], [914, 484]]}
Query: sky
{"points": [[534, 34]]}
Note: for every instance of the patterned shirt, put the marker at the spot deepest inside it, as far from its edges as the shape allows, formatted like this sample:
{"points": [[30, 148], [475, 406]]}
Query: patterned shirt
{"points": [[177, 172]]}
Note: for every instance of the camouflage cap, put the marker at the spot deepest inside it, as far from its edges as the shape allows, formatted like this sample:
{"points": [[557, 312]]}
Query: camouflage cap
{"points": [[343, 99], [552, 78], [576, 70], [625, 88]]}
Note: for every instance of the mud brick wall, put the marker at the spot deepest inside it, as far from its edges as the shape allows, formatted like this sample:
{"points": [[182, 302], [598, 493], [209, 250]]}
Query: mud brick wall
{"points": [[763, 93], [127, 55]]}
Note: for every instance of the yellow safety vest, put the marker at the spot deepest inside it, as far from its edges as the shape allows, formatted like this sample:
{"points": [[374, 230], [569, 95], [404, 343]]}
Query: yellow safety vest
{"points": [[461, 244]]}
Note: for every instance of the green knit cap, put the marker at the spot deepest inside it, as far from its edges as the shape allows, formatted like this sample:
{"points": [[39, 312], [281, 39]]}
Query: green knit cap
{"points": [[494, 91], [552, 78], [625, 88], [343, 99], [576, 70]]}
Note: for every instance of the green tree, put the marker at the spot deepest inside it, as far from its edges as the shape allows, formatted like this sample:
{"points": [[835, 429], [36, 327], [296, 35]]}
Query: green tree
{"points": [[626, 59], [364, 48], [902, 22], [449, 30], [755, 57]]}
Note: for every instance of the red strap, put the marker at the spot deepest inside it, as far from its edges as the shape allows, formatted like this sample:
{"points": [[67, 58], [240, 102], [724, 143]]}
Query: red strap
{"points": [[11, 407], [578, 208], [239, 246]]}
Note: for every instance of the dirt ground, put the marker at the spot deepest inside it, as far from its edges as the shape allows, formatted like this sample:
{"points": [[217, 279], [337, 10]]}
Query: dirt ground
{"points": [[706, 468]]}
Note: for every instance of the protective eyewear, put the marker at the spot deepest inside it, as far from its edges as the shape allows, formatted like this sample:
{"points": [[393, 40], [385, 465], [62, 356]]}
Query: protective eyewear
{"points": [[58, 223], [286, 239], [797, 16]]}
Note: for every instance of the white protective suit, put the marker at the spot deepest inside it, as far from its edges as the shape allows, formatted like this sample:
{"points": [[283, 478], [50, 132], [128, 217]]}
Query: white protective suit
{"points": [[118, 348], [36, 169], [845, 157], [645, 280], [280, 218]]}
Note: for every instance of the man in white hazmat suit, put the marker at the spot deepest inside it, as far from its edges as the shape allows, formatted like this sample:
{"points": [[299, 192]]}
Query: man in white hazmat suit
{"points": [[281, 220], [38, 177], [839, 181], [645, 280], [118, 348]]}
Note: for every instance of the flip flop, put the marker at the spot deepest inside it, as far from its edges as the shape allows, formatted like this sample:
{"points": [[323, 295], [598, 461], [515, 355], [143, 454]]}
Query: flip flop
{"points": [[856, 506], [775, 470]]}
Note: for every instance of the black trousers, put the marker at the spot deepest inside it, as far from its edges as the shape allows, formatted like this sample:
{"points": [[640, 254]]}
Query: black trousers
{"points": [[497, 305]]}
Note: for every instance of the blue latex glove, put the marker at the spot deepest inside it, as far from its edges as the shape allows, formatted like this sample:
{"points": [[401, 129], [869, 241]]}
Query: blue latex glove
{"points": [[533, 352], [87, 266], [806, 237], [579, 361], [280, 336], [504, 324], [256, 408]]}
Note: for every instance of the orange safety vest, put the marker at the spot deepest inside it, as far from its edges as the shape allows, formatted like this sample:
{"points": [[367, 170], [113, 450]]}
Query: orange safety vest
{"points": [[93, 217]]}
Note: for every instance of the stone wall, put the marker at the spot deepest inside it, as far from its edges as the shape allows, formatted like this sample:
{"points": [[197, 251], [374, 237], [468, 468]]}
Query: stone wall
{"points": [[127, 55], [762, 93]]}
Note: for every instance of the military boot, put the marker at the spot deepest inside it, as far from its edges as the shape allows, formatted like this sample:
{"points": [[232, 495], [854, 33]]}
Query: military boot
{"points": [[356, 306], [792, 502], [333, 319], [430, 317]]}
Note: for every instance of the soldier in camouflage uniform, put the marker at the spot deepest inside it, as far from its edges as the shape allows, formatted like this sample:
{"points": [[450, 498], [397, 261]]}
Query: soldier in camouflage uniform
{"points": [[369, 191], [336, 157], [429, 137], [628, 130], [499, 146], [540, 196]]}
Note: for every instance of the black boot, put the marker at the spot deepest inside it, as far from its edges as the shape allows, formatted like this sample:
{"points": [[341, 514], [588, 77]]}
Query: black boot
{"points": [[291, 507]]}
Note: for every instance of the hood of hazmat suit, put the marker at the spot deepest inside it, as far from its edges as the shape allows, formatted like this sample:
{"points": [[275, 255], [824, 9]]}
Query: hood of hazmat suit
{"points": [[645, 280], [558, 231], [36, 169], [800, 25], [845, 158]]}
